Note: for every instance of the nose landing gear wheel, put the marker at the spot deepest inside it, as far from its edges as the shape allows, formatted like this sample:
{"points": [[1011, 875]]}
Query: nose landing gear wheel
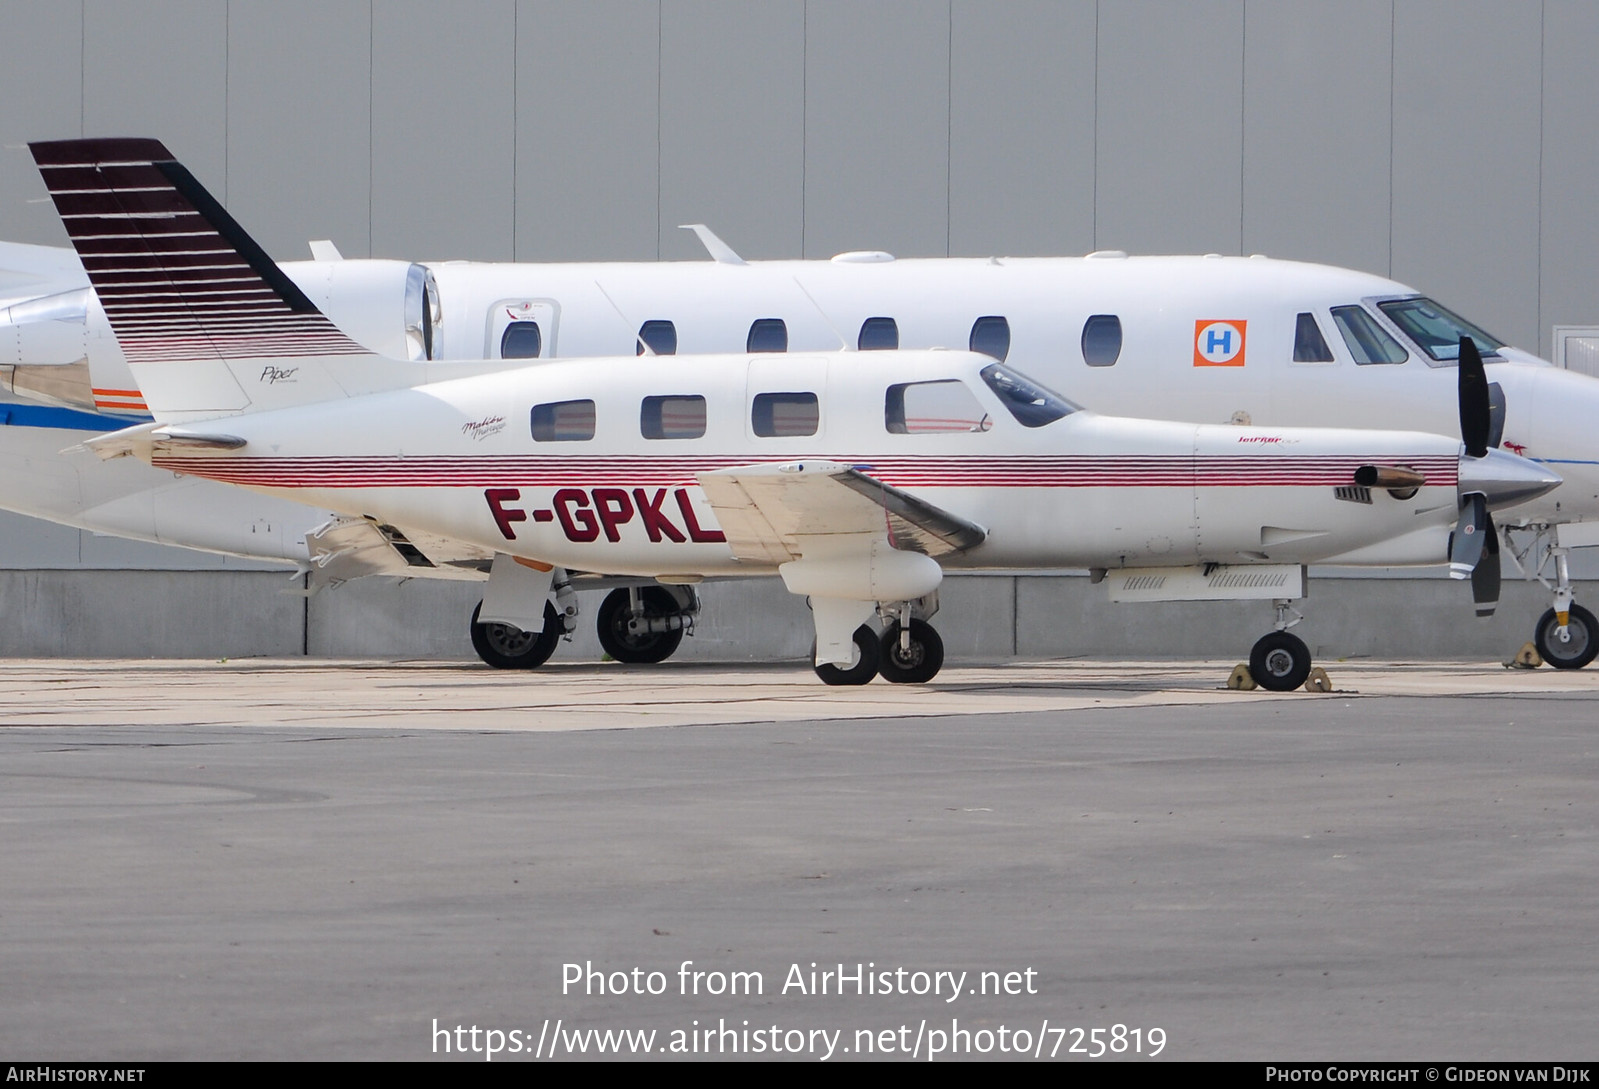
{"points": [[641, 648], [1279, 662], [505, 647], [1579, 646], [916, 665], [865, 667]]}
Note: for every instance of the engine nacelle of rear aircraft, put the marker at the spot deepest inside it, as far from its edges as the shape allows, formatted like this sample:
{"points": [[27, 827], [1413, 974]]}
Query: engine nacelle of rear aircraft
{"points": [[58, 348], [390, 307]]}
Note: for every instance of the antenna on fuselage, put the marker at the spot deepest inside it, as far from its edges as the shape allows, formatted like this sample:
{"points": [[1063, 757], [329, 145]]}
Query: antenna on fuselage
{"points": [[638, 337], [843, 342]]}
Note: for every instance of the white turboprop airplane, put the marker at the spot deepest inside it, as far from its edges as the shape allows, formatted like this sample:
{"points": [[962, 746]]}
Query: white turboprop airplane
{"points": [[857, 485], [1218, 339]]}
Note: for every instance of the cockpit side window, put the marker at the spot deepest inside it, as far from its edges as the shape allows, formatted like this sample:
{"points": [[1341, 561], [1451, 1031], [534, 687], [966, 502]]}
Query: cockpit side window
{"points": [[945, 406], [1309, 345], [1368, 342], [1031, 404], [1436, 330]]}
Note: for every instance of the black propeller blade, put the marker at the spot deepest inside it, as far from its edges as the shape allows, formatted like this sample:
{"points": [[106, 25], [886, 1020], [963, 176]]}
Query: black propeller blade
{"points": [[1474, 549], [1485, 576], [1476, 411]]}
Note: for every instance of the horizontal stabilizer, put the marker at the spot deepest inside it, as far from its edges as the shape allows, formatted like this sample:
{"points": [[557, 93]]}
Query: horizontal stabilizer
{"points": [[149, 438], [765, 509]]}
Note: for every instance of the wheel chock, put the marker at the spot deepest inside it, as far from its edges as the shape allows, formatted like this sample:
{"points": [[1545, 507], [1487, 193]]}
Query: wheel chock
{"points": [[1318, 681], [1241, 681], [1526, 658]]}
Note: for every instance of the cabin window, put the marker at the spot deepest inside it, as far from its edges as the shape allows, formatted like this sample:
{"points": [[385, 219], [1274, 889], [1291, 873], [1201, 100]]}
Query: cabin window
{"points": [[1368, 342], [521, 340], [785, 415], [1437, 330], [1102, 340], [878, 335], [991, 337], [933, 408], [660, 336], [563, 421], [767, 335], [1032, 404], [673, 417], [1309, 345]]}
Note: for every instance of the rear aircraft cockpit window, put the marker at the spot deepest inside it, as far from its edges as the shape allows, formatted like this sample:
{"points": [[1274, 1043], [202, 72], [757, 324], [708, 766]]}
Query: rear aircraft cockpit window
{"points": [[1436, 330], [1309, 345], [1368, 342], [1031, 404], [563, 421]]}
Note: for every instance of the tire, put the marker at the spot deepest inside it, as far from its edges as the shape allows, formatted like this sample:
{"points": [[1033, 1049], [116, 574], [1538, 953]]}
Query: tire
{"points": [[920, 663], [865, 667], [1582, 642], [648, 647], [505, 647], [1279, 662]]}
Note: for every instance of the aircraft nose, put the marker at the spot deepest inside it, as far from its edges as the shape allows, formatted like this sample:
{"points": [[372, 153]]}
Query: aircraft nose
{"points": [[1505, 479]]}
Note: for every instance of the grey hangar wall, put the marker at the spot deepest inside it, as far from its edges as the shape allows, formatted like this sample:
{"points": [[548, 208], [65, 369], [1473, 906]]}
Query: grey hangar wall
{"points": [[1451, 144]]}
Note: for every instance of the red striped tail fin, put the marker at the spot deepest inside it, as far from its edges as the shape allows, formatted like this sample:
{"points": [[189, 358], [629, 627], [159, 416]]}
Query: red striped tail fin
{"points": [[184, 287], [178, 277]]}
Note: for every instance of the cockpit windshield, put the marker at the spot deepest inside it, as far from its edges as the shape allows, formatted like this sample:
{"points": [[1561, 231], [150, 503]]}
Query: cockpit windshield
{"points": [[1435, 329], [1029, 402]]}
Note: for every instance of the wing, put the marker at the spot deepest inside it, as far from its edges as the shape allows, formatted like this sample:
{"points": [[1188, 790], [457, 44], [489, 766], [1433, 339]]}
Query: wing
{"points": [[765, 509]]}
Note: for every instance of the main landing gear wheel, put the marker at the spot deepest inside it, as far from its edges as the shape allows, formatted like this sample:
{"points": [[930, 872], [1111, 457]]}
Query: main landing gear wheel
{"points": [[642, 648], [505, 647], [1279, 662], [919, 663], [1579, 646], [865, 667]]}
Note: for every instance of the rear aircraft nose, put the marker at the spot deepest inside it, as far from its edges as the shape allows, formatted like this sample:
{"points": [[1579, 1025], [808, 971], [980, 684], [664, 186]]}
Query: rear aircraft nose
{"points": [[1505, 479]]}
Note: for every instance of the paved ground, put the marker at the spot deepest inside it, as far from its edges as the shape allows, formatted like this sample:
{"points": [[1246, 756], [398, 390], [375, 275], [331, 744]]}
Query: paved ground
{"points": [[282, 859]]}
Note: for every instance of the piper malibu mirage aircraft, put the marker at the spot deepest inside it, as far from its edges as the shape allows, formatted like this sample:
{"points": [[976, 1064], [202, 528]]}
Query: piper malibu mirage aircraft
{"points": [[857, 485], [1218, 339]]}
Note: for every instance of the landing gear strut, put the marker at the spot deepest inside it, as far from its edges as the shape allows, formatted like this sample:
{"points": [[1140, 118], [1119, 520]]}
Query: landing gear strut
{"points": [[640, 625], [1565, 646], [910, 656], [1280, 662]]}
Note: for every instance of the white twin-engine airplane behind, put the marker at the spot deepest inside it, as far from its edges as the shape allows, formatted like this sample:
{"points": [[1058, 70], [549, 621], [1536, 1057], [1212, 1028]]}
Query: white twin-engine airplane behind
{"points": [[856, 481]]}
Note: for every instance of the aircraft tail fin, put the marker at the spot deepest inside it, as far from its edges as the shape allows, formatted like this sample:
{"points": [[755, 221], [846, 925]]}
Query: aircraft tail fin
{"points": [[209, 323]]}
